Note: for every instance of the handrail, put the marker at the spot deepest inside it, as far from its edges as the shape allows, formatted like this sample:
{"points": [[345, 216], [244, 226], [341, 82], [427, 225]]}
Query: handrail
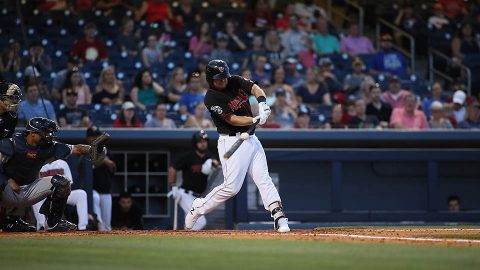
{"points": [[410, 54], [432, 71], [361, 14]]}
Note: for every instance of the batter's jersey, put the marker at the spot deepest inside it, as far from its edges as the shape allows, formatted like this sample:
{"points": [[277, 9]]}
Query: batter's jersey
{"points": [[191, 167], [8, 122], [231, 100], [25, 161]]}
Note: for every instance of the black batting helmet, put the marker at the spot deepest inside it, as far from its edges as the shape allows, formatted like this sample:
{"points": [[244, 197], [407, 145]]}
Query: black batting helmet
{"points": [[199, 135], [10, 95], [216, 69], [44, 126]]}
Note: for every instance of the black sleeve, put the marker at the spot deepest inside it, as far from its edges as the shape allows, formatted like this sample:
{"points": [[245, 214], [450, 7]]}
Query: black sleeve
{"points": [[244, 84], [217, 105], [181, 163], [62, 151], [6, 147]]}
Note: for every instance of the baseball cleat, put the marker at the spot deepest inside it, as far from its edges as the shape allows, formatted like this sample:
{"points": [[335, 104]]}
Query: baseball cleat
{"points": [[17, 224], [191, 218], [283, 225], [61, 226]]}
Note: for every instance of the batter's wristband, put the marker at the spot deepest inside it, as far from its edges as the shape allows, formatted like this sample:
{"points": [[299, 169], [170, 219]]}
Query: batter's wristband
{"points": [[261, 99]]}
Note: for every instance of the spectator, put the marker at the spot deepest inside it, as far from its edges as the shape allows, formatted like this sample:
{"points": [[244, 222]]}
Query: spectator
{"points": [[10, 60], [61, 77], [220, 51], [472, 119], [145, 91], [201, 42], [353, 43], [409, 21], [292, 76], [198, 119], [303, 118], [388, 61], [324, 42], [438, 121], [74, 81], [365, 86], [260, 73], [408, 117], [292, 39], [246, 73], [127, 38], [438, 19], [464, 43], [235, 42], [77, 197], [38, 59], [102, 184], [459, 109], [337, 118], [192, 96], [377, 107], [436, 95], [156, 11], [109, 90], [281, 23], [313, 92], [284, 114], [326, 73], [361, 119], [126, 215], [308, 57], [160, 119], [454, 9], [310, 11], [152, 53], [71, 115], [352, 82], [273, 48], [260, 18], [453, 203], [89, 48], [127, 118], [256, 50], [176, 85], [33, 105], [186, 16], [395, 96], [278, 82]]}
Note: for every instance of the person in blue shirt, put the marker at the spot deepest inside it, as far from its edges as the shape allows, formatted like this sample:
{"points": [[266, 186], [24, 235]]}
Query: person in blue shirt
{"points": [[388, 61], [193, 95], [33, 105]]}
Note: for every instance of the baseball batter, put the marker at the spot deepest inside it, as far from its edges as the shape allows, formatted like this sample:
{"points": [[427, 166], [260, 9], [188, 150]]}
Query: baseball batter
{"points": [[227, 101]]}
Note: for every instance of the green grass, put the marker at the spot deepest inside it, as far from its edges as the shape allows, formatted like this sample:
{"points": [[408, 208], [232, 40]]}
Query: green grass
{"points": [[169, 252]]}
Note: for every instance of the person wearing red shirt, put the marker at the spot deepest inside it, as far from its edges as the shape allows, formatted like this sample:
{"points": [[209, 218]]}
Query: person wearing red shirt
{"points": [[89, 48], [127, 118]]}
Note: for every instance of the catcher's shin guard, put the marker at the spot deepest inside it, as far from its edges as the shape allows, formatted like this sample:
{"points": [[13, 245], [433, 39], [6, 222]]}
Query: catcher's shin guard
{"points": [[279, 218], [55, 204]]}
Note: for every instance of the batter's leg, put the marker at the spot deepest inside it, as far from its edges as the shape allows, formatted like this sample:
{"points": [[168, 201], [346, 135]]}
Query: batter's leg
{"points": [[186, 201]]}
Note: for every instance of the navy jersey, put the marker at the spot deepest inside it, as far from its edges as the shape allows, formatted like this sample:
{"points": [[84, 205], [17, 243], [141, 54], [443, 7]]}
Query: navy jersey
{"points": [[191, 167], [231, 100], [24, 161], [8, 122]]}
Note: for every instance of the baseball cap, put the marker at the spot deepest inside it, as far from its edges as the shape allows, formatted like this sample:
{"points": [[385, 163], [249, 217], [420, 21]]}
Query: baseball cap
{"points": [[436, 105], [127, 105], [324, 61], [93, 131], [459, 97], [386, 37], [291, 60]]}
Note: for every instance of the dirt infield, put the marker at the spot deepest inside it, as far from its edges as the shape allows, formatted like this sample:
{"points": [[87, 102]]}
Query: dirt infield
{"points": [[421, 236]]}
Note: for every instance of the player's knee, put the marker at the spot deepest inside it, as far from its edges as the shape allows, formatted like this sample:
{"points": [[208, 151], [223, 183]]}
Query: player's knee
{"points": [[61, 186]]}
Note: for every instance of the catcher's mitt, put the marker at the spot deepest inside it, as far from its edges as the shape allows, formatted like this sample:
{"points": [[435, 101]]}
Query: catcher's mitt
{"points": [[98, 151]]}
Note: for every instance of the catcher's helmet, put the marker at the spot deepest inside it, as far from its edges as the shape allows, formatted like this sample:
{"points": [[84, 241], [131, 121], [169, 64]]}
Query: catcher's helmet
{"points": [[199, 135], [10, 95], [216, 69], [44, 126]]}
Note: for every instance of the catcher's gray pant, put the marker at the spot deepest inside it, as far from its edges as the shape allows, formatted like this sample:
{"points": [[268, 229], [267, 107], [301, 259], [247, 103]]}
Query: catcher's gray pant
{"points": [[28, 195]]}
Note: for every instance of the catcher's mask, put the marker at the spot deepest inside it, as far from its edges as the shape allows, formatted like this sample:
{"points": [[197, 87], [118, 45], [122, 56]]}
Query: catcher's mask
{"points": [[45, 127], [10, 95]]}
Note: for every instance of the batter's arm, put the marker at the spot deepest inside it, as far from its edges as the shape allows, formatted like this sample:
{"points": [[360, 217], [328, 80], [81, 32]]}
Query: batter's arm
{"points": [[236, 120], [257, 91]]}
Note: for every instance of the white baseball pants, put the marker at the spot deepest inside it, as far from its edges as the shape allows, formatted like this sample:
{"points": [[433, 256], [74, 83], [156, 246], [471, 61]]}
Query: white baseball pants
{"points": [[248, 159], [102, 207]]}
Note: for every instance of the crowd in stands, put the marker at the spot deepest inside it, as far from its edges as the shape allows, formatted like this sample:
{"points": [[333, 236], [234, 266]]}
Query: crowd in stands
{"points": [[135, 64]]}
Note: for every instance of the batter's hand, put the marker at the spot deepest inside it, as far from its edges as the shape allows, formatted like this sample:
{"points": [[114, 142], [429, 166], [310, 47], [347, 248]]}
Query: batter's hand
{"points": [[264, 112], [13, 185]]}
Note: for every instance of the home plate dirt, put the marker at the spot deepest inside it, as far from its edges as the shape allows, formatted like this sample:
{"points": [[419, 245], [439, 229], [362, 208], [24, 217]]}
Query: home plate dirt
{"points": [[422, 236]]}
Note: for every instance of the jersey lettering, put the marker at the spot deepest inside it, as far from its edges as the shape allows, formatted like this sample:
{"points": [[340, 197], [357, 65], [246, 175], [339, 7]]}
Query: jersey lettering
{"points": [[52, 172], [31, 154], [237, 102]]}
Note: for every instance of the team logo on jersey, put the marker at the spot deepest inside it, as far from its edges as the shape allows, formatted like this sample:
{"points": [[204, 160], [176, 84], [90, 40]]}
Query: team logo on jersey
{"points": [[221, 69], [217, 109], [31, 154]]}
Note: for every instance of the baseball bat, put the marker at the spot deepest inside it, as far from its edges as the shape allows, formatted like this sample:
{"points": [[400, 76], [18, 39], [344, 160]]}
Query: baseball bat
{"points": [[239, 142]]}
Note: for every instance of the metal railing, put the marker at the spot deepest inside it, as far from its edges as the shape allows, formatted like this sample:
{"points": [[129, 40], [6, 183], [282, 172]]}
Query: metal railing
{"points": [[410, 54], [334, 14], [432, 54]]}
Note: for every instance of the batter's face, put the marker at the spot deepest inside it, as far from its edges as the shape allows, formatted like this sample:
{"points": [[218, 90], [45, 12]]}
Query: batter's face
{"points": [[220, 84]]}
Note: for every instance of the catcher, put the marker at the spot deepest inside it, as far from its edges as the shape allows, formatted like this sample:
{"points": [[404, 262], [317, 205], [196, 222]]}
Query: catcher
{"points": [[22, 157]]}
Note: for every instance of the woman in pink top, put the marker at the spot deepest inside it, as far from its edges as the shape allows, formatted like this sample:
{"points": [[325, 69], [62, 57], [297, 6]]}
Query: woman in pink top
{"points": [[201, 43], [409, 117], [74, 81]]}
